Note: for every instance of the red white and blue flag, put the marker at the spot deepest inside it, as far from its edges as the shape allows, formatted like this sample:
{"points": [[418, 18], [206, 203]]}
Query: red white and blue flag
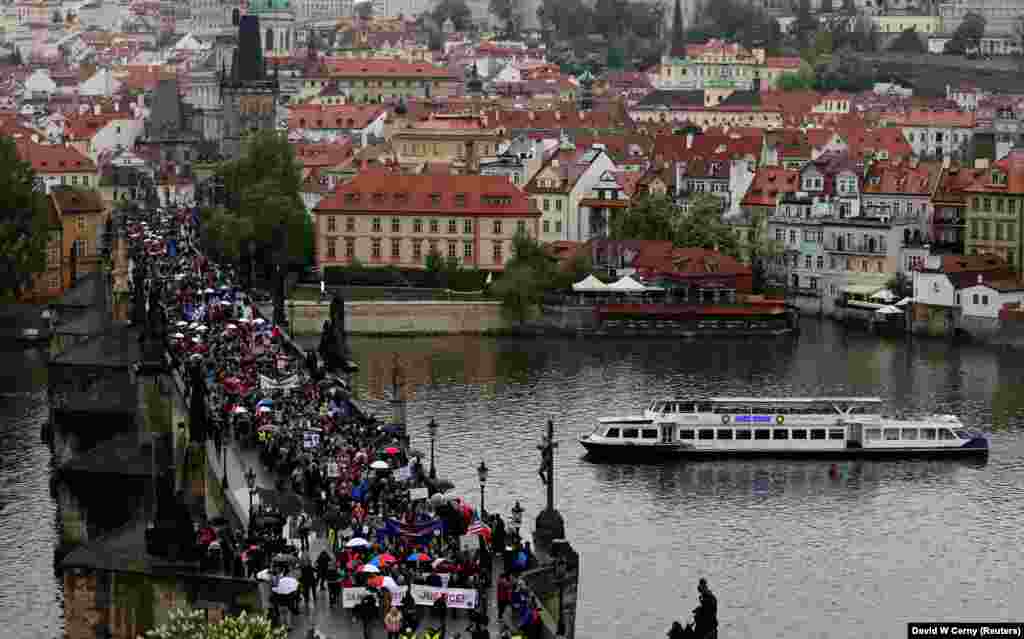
{"points": [[479, 528]]}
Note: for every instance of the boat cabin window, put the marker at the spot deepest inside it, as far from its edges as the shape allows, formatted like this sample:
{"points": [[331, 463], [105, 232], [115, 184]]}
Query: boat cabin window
{"points": [[762, 433], [817, 433], [837, 433], [945, 433], [928, 433], [630, 433], [706, 433], [684, 407], [612, 432], [743, 434], [892, 434], [780, 433], [650, 433], [864, 409], [908, 433], [724, 433], [799, 433], [704, 407], [875, 434], [686, 434]]}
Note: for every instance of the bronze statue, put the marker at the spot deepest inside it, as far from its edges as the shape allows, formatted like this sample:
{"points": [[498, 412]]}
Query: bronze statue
{"points": [[333, 341]]}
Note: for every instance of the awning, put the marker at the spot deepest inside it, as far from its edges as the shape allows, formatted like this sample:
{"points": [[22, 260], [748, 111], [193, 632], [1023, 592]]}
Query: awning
{"points": [[862, 289], [627, 285], [589, 284]]}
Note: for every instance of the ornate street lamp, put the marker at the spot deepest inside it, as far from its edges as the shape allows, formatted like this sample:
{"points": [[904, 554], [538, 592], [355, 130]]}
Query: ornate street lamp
{"points": [[432, 428], [481, 473], [517, 517], [250, 481]]}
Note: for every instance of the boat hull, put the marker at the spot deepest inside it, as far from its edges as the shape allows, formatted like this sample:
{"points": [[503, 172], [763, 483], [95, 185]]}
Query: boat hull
{"points": [[651, 453]]}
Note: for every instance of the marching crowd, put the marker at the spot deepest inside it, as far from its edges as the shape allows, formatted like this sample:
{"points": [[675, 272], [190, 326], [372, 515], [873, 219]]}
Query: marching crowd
{"points": [[343, 474]]}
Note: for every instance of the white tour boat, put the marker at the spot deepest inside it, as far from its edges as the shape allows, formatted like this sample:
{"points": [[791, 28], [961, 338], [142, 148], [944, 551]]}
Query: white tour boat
{"points": [[800, 426]]}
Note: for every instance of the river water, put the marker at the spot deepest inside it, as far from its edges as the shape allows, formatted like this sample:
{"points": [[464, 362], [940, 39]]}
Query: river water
{"points": [[790, 548]]}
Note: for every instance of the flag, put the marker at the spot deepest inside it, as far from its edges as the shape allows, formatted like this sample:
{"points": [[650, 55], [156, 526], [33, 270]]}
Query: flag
{"points": [[478, 528]]}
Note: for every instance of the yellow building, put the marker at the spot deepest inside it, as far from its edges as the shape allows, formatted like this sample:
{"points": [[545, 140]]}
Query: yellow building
{"points": [[458, 139], [386, 219], [376, 80], [898, 24], [717, 64]]}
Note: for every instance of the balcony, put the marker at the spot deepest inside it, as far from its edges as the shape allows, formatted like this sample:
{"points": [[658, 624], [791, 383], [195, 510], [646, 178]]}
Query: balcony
{"points": [[856, 248]]}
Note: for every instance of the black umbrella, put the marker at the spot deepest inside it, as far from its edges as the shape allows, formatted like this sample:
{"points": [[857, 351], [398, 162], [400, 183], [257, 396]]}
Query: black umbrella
{"points": [[287, 503]]}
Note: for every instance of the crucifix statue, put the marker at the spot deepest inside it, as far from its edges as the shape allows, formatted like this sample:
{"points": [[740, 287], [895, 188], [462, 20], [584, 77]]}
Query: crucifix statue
{"points": [[546, 471]]}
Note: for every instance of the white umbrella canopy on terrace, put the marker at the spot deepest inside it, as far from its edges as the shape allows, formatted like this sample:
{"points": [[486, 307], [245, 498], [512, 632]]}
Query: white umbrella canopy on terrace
{"points": [[589, 284], [628, 285], [890, 310], [884, 295], [904, 301]]}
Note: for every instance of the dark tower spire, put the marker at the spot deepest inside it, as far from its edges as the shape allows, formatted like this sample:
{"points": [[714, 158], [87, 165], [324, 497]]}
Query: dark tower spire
{"points": [[678, 37]]}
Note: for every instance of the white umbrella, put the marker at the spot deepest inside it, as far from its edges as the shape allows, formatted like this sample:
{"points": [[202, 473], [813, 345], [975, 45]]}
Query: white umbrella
{"points": [[263, 575], [369, 568], [259, 320], [181, 323], [232, 326], [209, 291], [904, 301], [380, 465], [194, 325], [357, 542], [389, 584], [202, 328], [890, 310], [240, 410], [885, 295], [286, 586], [263, 409], [178, 336], [196, 340], [243, 321]]}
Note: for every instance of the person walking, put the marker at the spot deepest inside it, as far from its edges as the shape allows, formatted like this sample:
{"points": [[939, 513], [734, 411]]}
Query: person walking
{"points": [[504, 594], [323, 562], [393, 622], [307, 581], [303, 528]]}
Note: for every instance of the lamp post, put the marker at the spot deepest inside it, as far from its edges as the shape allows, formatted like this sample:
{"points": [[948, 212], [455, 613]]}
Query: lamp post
{"points": [[432, 428], [481, 473], [250, 481], [517, 517], [560, 570]]}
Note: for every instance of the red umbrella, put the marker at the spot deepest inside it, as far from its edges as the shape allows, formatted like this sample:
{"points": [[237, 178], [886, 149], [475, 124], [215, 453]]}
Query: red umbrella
{"points": [[391, 450]]}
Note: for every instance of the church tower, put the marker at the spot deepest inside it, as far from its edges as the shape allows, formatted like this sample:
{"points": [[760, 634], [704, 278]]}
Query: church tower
{"points": [[249, 95]]}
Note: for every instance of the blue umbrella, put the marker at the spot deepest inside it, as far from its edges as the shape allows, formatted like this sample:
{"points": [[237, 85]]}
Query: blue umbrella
{"points": [[265, 402]]}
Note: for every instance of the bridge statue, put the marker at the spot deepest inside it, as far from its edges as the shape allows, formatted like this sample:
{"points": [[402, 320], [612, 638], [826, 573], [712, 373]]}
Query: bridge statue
{"points": [[333, 341]]}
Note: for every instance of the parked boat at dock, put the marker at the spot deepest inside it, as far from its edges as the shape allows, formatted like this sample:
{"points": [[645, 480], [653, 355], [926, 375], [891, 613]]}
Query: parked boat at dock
{"points": [[778, 427]]}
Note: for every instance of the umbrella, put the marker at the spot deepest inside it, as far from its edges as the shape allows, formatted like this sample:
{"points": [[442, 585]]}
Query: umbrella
{"points": [[232, 326], [265, 402], [259, 320], [240, 410], [178, 336], [391, 450], [286, 586], [389, 584], [385, 558], [181, 323], [202, 328], [418, 556], [380, 465], [209, 291], [268, 428], [357, 542], [369, 568], [263, 575], [263, 409], [437, 563]]}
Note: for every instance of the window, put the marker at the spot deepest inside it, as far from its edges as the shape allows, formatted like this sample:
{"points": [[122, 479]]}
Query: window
{"points": [[685, 433], [331, 224], [467, 250], [558, 205], [547, 226], [453, 227], [630, 433], [974, 298], [331, 249], [350, 247], [807, 262], [612, 432], [799, 433], [521, 227], [762, 433], [350, 225], [375, 253], [909, 433], [460, 200], [873, 434], [892, 434], [743, 433], [434, 227], [396, 225], [498, 253], [435, 199], [417, 250], [558, 226], [817, 433], [984, 300], [547, 204], [497, 227], [837, 433], [946, 434], [780, 433], [724, 433], [396, 248], [792, 236], [650, 433], [417, 225], [451, 250], [467, 227], [705, 433], [376, 225], [821, 262], [928, 433]]}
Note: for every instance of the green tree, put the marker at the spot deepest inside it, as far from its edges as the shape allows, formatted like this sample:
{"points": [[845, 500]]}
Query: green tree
{"points": [[263, 186], [759, 249], [23, 222], [457, 10], [702, 226], [649, 218], [615, 59], [192, 624], [528, 276], [802, 80], [968, 35], [908, 42]]}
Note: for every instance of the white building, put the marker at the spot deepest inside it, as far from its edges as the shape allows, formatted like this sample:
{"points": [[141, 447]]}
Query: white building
{"points": [[101, 83]]}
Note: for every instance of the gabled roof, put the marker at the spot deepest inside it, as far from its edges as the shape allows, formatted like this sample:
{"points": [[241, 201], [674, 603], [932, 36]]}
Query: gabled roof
{"points": [[902, 178], [571, 164], [75, 201], [54, 158], [770, 182]]}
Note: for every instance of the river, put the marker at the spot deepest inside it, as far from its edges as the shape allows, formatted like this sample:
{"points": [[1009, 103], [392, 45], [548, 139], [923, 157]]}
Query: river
{"points": [[790, 548]]}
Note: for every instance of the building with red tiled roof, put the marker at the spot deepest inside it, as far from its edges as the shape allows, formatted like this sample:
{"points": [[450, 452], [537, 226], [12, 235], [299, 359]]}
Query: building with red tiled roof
{"points": [[568, 174], [933, 132], [357, 120], [387, 219], [376, 80], [995, 210], [58, 165], [458, 139]]}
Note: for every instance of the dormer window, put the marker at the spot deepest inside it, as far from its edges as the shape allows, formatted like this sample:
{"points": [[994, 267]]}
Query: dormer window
{"points": [[998, 178], [378, 197], [435, 199], [460, 199]]}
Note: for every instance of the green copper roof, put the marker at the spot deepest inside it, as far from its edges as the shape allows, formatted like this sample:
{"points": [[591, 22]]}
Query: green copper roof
{"points": [[259, 6]]}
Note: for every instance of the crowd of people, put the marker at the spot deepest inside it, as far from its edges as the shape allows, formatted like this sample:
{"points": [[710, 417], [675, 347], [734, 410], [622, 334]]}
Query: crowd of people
{"points": [[341, 473]]}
